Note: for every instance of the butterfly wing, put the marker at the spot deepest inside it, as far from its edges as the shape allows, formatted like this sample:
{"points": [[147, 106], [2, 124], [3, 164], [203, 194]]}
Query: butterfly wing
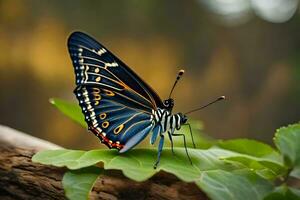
{"points": [[116, 103]]}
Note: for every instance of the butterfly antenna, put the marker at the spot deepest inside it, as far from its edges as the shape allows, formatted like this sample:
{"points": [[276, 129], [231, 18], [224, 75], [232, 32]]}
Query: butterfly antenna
{"points": [[218, 99], [180, 73]]}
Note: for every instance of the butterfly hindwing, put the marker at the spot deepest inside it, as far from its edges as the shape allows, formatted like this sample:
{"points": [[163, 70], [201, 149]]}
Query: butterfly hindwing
{"points": [[112, 121], [116, 103]]}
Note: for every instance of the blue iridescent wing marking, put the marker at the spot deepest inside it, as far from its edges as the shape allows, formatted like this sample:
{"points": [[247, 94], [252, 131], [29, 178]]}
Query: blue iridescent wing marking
{"points": [[116, 103]]}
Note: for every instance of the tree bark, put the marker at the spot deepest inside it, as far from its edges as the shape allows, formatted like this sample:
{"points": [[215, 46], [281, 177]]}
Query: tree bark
{"points": [[22, 179]]}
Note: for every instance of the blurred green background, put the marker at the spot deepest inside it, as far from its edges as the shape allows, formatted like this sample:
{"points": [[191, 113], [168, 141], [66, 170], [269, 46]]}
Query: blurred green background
{"points": [[248, 50]]}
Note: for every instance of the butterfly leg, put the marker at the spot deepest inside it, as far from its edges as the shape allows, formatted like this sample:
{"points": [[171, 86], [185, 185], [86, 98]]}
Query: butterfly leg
{"points": [[185, 147], [191, 132], [171, 140], [160, 147]]}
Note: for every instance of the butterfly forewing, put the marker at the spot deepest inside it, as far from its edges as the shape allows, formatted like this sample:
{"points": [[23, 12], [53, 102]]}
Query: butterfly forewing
{"points": [[94, 55], [116, 103]]}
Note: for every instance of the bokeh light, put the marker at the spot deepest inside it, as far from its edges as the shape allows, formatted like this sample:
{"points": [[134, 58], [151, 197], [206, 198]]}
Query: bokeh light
{"points": [[236, 12]]}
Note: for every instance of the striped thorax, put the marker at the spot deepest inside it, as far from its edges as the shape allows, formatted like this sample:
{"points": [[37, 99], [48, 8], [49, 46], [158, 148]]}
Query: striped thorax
{"points": [[168, 121]]}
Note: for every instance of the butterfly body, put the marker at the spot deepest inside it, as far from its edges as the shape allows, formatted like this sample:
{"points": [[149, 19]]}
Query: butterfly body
{"points": [[119, 107]]}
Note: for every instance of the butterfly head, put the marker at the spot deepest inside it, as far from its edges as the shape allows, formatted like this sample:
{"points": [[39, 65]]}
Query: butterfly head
{"points": [[169, 103]]}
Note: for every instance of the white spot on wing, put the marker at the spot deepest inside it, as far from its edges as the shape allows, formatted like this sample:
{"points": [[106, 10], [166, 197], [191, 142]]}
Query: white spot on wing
{"points": [[114, 64], [101, 51], [99, 129]]}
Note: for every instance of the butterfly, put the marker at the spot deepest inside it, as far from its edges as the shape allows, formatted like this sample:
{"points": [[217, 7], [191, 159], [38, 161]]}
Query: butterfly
{"points": [[119, 107]]}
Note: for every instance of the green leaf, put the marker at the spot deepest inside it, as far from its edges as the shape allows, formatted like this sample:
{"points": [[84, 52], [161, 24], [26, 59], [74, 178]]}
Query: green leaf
{"points": [[287, 140], [284, 193], [71, 110], [250, 147], [268, 169], [138, 163], [238, 185], [207, 169], [78, 183], [257, 156]]}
